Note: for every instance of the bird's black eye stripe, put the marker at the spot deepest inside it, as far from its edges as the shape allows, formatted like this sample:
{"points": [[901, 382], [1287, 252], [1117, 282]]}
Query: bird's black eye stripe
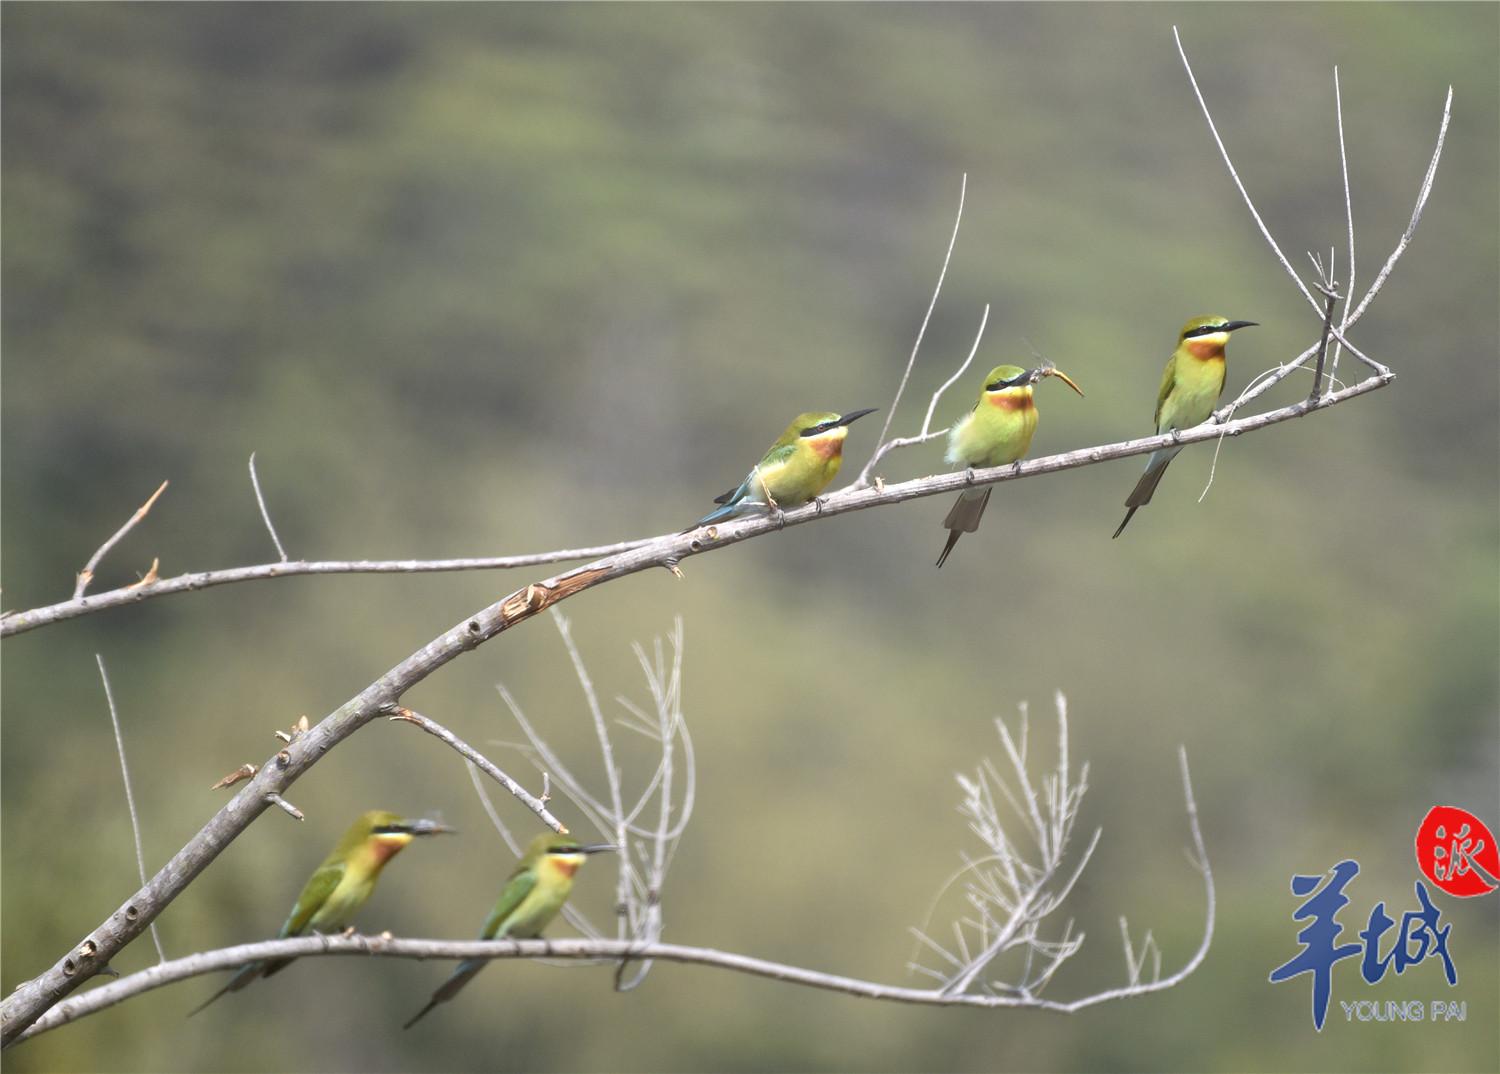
{"points": [[390, 829], [569, 849], [1204, 330], [821, 427], [1011, 383]]}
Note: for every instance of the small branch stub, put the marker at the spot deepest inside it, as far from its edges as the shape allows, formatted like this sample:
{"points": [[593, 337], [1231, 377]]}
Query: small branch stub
{"points": [[243, 772], [285, 806]]}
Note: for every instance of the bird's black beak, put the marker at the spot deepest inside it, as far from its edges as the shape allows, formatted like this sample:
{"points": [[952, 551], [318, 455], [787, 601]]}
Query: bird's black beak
{"points": [[426, 827], [855, 415], [1235, 325]]}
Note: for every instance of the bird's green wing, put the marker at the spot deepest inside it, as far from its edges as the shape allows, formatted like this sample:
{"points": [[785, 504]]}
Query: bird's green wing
{"points": [[1168, 381], [319, 886], [765, 472], [516, 889], [773, 460], [778, 456]]}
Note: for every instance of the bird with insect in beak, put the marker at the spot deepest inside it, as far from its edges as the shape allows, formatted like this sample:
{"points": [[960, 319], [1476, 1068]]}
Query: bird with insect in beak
{"points": [[1190, 387], [531, 898], [996, 431], [339, 887], [802, 463]]}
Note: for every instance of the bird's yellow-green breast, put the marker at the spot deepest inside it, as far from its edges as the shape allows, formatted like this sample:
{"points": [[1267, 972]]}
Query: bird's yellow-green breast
{"points": [[1194, 377], [533, 895], [340, 885], [999, 428], [1190, 388], [805, 458]]}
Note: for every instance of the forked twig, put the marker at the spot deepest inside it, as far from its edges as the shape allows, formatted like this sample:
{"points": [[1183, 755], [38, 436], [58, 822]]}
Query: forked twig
{"points": [[864, 474], [86, 575]]}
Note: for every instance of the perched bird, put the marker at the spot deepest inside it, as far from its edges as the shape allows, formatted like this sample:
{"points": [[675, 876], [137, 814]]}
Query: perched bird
{"points": [[1190, 386], [532, 897], [339, 887], [801, 464], [996, 431]]}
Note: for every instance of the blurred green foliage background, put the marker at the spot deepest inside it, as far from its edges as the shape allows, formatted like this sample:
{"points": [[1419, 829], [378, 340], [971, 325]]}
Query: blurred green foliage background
{"points": [[486, 279]]}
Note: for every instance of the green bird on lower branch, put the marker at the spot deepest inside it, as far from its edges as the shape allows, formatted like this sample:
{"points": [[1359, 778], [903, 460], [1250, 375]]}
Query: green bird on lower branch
{"points": [[1190, 387], [533, 896], [339, 887], [996, 431]]}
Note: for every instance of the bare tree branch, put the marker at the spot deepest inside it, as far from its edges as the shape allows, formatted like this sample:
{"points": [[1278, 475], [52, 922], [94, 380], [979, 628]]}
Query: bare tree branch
{"points": [[1265, 384], [135, 819], [30, 1000], [658, 550], [1338, 110], [1416, 215], [645, 852], [381, 697], [86, 575], [265, 514], [890, 414], [1010, 892], [925, 435], [1235, 175], [607, 753], [385, 946], [480, 761], [20, 622]]}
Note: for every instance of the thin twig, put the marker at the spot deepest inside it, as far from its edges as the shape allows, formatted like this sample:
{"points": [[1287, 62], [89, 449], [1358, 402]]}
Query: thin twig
{"points": [[86, 575], [1233, 174], [479, 760], [135, 821], [1349, 317], [924, 436], [571, 913], [264, 514], [1416, 215], [606, 751], [1331, 298], [890, 414], [1338, 107], [984, 320]]}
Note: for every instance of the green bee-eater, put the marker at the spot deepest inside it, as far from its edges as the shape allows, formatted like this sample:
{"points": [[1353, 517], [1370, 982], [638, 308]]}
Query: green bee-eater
{"points": [[532, 897], [1190, 386], [996, 431], [802, 463], [339, 887]]}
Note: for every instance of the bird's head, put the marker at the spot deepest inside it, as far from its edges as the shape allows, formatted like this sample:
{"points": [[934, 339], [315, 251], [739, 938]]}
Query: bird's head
{"points": [[564, 853], [387, 832], [1009, 386], [1209, 334], [821, 428]]}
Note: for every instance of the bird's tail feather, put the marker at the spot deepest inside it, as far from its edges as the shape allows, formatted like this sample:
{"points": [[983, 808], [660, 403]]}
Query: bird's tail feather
{"points": [[451, 987], [242, 977], [276, 965], [1141, 495], [964, 517]]}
